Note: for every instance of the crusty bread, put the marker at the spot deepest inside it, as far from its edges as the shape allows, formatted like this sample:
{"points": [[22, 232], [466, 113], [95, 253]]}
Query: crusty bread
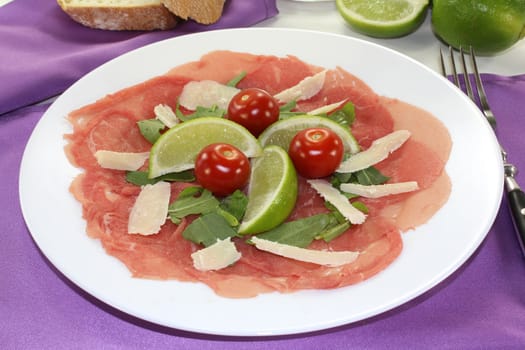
{"points": [[120, 14], [201, 11]]}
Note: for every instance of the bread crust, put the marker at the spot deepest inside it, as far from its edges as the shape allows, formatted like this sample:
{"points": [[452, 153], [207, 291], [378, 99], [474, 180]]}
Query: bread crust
{"points": [[201, 11], [148, 17]]}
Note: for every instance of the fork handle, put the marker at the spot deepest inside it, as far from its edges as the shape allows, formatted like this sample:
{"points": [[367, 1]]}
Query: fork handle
{"points": [[516, 199]]}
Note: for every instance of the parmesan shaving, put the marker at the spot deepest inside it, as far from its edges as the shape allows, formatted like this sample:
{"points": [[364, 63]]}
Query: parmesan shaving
{"points": [[150, 210], [378, 151], [165, 114], [338, 200], [305, 89], [206, 93], [320, 257], [217, 256], [376, 191], [326, 109], [121, 160]]}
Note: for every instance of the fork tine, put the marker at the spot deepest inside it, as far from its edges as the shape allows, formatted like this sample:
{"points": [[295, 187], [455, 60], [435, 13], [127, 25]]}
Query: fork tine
{"points": [[466, 76], [453, 66], [442, 61], [479, 84], [481, 92]]}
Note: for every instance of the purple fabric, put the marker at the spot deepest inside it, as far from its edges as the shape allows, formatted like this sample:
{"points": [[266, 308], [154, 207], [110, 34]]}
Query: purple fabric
{"points": [[43, 51], [482, 305]]}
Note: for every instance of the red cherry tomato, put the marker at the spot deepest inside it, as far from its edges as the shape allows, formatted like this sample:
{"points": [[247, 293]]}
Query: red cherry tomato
{"points": [[316, 152], [222, 168], [255, 109]]}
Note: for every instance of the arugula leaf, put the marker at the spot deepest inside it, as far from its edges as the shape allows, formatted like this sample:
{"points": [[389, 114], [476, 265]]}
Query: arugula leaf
{"points": [[341, 178], [286, 111], [360, 206], [207, 229], [335, 212], [235, 204], [140, 178], [212, 111], [301, 232], [370, 176], [231, 219], [150, 129], [344, 116], [334, 231], [192, 200], [288, 107], [236, 79]]}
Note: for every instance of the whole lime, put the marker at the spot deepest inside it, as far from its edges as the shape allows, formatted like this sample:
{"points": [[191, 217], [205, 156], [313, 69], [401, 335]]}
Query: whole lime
{"points": [[489, 26]]}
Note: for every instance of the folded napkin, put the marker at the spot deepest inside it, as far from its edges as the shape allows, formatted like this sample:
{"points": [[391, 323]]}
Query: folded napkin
{"points": [[481, 306], [43, 51]]}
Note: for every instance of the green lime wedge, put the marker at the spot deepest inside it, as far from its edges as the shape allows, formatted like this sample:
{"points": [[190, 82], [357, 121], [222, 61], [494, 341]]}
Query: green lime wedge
{"points": [[282, 132], [177, 149], [383, 18], [272, 191]]}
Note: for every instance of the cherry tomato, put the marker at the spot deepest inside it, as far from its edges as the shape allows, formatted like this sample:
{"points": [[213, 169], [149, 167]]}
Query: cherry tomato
{"points": [[316, 152], [255, 109], [222, 168]]}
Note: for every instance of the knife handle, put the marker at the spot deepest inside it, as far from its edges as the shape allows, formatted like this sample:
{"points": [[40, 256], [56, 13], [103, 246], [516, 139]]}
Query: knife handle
{"points": [[516, 199]]}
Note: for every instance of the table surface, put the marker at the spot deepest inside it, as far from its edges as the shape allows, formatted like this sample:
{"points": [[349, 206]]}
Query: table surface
{"points": [[422, 45]]}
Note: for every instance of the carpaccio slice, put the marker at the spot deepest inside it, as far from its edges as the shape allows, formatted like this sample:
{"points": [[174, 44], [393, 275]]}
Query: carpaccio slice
{"points": [[106, 197]]}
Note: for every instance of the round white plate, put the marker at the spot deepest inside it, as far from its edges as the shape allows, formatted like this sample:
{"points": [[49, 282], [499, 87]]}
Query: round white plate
{"points": [[431, 252]]}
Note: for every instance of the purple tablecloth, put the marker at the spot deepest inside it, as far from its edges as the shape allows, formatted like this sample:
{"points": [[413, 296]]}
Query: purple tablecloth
{"points": [[482, 305]]}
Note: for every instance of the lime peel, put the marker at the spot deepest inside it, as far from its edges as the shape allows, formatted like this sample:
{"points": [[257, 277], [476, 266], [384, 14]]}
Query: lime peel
{"points": [[383, 18], [272, 192], [488, 26]]}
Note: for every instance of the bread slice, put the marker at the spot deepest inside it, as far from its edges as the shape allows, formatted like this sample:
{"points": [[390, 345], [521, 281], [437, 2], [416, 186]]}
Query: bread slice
{"points": [[120, 14], [201, 11]]}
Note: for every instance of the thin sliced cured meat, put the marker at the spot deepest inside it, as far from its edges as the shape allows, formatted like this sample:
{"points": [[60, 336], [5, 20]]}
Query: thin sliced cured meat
{"points": [[107, 198]]}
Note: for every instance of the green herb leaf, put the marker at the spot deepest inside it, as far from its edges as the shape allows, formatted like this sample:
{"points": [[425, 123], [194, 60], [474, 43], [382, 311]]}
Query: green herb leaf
{"points": [[344, 116], [370, 176], [140, 178], [235, 204], [286, 111], [207, 229], [301, 232], [341, 178], [236, 79], [192, 200], [231, 219], [150, 129], [335, 212], [360, 206], [333, 231], [288, 107], [212, 111]]}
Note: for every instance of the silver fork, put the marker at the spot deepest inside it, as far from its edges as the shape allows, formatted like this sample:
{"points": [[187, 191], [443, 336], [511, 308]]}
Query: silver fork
{"points": [[515, 196]]}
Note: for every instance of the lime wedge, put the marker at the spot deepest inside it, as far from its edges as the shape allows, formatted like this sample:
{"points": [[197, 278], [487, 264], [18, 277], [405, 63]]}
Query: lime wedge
{"points": [[272, 191], [282, 132], [383, 18], [177, 149]]}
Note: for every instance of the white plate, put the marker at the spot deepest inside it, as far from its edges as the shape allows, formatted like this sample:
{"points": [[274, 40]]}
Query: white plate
{"points": [[431, 253]]}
